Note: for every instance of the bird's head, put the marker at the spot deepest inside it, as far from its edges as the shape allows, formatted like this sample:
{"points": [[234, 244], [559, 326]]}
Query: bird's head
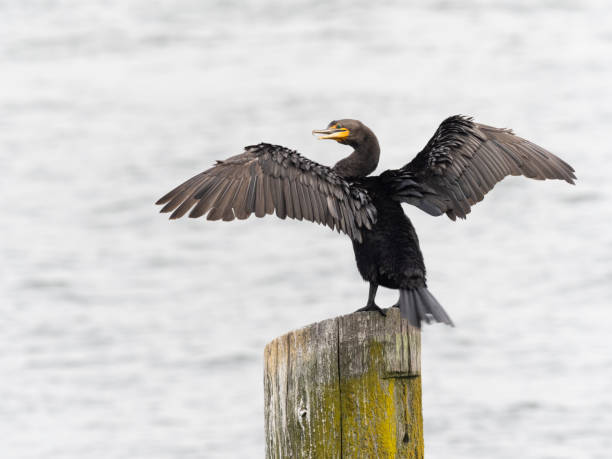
{"points": [[347, 131]]}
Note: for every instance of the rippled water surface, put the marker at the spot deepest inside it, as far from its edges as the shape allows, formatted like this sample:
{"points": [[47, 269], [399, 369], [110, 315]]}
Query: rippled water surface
{"points": [[123, 335]]}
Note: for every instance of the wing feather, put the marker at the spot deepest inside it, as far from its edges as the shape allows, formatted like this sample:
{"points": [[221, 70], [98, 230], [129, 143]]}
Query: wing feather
{"points": [[295, 197], [288, 198], [463, 161], [268, 192], [279, 199], [266, 179]]}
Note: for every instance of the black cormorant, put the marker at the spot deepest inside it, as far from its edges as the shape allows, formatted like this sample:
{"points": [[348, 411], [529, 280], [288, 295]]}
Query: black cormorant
{"points": [[458, 166]]}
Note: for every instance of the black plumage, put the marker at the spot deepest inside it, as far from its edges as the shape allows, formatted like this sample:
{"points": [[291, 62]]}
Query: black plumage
{"points": [[457, 167]]}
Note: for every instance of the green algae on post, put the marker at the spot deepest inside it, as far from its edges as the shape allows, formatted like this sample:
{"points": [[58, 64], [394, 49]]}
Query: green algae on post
{"points": [[345, 387]]}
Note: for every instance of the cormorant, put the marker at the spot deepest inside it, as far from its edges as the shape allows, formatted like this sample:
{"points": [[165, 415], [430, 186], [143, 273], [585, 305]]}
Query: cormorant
{"points": [[458, 166]]}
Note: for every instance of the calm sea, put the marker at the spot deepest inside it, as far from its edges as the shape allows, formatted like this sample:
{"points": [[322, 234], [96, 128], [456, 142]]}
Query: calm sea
{"points": [[124, 335]]}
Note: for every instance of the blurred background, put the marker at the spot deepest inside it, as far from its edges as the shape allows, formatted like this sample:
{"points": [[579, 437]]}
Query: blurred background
{"points": [[124, 335]]}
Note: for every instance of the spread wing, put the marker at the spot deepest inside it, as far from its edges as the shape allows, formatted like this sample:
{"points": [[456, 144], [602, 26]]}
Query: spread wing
{"points": [[463, 161], [270, 178]]}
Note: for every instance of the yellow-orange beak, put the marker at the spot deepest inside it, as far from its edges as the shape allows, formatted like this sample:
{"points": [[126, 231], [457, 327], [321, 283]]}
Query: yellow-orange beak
{"points": [[332, 133]]}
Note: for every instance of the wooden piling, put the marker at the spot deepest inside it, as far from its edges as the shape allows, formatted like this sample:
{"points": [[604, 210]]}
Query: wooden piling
{"points": [[347, 387]]}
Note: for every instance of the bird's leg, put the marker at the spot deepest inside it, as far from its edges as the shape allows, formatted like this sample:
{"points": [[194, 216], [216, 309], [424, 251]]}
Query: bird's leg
{"points": [[372, 306]]}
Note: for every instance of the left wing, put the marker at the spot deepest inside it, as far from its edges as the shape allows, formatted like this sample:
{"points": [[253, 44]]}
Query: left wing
{"points": [[463, 161]]}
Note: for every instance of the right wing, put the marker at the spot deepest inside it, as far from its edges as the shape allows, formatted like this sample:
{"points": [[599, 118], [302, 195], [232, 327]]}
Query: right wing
{"points": [[267, 178]]}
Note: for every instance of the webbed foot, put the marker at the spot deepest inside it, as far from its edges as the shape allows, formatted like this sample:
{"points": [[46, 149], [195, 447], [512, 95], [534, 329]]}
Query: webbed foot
{"points": [[372, 307]]}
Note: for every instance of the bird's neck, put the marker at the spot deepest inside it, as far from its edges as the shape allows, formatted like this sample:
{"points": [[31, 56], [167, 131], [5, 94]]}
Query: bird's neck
{"points": [[362, 161]]}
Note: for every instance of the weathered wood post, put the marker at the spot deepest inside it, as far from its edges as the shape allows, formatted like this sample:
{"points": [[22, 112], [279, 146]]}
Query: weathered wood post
{"points": [[347, 387]]}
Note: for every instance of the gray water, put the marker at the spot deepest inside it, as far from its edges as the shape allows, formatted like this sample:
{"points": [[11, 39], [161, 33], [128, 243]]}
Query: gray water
{"points": [[124, 335]]}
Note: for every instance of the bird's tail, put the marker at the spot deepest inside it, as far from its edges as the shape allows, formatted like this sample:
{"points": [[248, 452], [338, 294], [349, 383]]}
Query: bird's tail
{"points": [[419, 305]]}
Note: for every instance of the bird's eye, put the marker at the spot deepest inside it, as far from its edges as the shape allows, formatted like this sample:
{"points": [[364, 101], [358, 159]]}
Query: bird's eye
{"points": [[338, 126]]}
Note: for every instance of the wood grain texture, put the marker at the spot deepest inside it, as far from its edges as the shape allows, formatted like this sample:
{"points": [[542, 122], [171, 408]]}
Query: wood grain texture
{"points": [[345, 387]]}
